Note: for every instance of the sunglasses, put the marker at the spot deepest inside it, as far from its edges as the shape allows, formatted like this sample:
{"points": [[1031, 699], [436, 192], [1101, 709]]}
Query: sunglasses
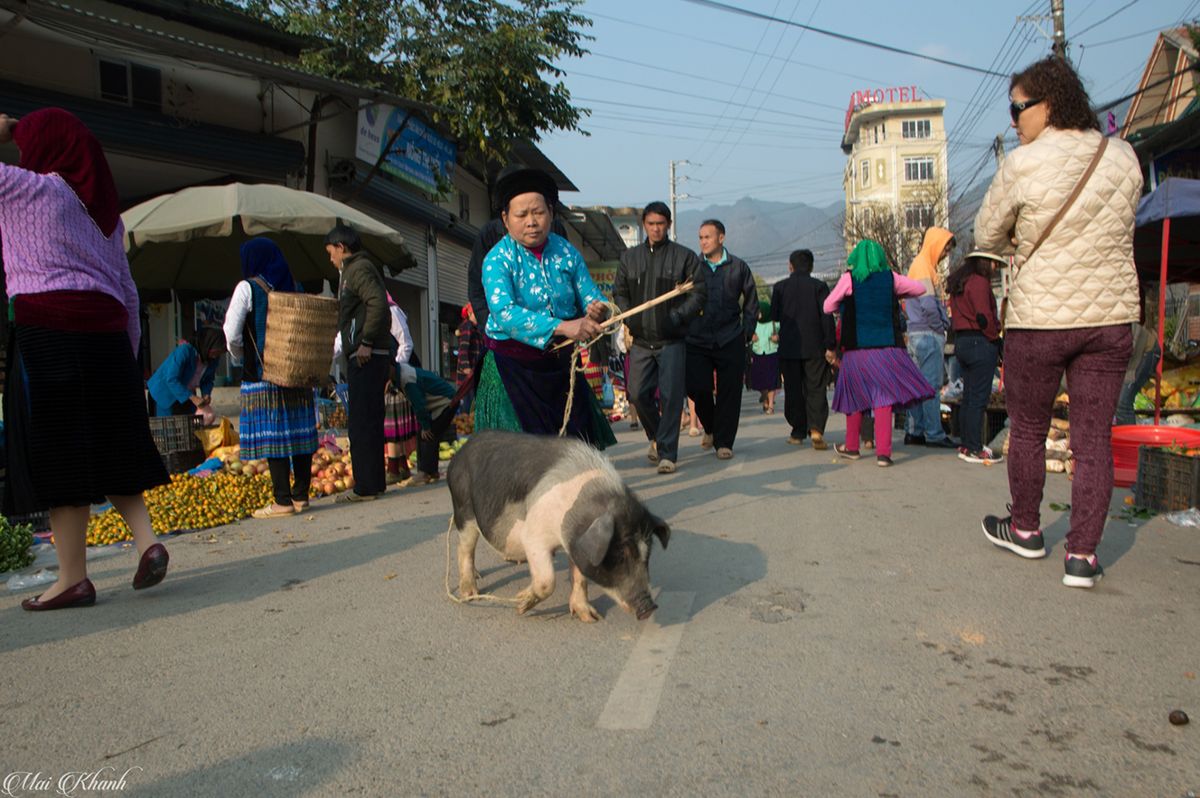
{"points": [[1015, 109]]}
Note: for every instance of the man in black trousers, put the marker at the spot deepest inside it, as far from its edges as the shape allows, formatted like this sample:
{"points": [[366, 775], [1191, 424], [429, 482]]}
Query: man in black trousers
{"points": [[658, 356], [807, 338], [365, 326], [717, 340]]}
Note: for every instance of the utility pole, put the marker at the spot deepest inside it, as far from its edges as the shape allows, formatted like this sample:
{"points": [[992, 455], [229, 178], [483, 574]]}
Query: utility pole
{"points": [[675, 197], [1059, 48]]}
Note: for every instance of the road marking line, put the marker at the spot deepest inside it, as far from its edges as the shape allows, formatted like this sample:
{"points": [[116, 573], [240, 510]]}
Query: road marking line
{"points": [[633, 702]]}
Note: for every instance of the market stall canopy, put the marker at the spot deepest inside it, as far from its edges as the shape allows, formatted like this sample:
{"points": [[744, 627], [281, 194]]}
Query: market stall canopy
{"points": [[190, 240], [1177, 199]]}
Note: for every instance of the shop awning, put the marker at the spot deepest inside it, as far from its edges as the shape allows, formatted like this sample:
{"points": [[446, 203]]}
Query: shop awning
{"points": [[597, 229]]}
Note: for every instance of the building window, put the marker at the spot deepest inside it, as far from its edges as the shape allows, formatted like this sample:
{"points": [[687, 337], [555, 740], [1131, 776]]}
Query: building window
{"points": [[865, 171], [130, 84], [918, 216], [918, 170], [916, 129]]}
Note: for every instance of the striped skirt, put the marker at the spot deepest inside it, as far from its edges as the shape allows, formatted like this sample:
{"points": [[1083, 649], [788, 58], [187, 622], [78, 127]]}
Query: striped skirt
{"points": [[399, 421], [75, 423], [277, 422], [872, 378]]}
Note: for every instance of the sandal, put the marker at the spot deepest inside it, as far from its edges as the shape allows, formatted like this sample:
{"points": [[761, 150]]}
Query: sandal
{"points": [[273, 511]]}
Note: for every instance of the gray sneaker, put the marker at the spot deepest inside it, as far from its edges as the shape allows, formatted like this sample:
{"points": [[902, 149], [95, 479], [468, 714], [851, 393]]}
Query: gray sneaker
{"points": [[666, 467], [1081, 573], [652, 453]]}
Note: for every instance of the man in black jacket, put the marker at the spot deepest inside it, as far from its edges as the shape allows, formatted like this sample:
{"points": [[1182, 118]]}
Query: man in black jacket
{"points": [[658, 355], [807, 337], [717, 340], [365, 326]]}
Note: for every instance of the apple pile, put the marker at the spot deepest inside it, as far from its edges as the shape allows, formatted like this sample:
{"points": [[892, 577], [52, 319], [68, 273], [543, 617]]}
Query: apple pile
{"points": [[331, 473]]}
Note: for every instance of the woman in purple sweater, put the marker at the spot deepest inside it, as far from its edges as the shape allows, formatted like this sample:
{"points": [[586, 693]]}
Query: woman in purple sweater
{"points": [[75, 337]]}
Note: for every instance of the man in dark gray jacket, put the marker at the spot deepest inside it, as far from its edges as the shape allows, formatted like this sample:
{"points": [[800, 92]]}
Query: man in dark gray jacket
{"points": [[717, 340], [807, 339], [658, 354], [365, 326]]}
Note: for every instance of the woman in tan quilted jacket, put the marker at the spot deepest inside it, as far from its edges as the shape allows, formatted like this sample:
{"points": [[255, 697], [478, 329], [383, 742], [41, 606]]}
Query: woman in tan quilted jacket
{"points": [[1073, 294]]}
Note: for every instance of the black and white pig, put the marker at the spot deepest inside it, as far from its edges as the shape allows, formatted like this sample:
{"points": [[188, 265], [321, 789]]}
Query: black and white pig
{"points": [[530, 496]]}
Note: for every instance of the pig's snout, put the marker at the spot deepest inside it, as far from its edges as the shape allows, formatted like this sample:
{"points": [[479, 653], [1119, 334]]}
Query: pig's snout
{"points": [[644, 608]]}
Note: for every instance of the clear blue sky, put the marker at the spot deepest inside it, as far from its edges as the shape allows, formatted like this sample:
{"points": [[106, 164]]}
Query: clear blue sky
{"points": [[760, 106]]}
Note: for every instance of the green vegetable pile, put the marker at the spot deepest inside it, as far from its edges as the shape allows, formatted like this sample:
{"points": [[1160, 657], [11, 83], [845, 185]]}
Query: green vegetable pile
{"points": [[15, 545]]}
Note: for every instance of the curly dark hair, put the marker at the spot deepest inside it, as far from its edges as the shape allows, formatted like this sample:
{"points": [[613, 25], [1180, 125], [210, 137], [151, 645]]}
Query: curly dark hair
{"points": [[956, 283], [1054, 81]]}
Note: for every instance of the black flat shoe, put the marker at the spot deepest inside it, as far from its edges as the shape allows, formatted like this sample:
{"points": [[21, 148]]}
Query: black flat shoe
{"points": [[944, 443], [914, 440], [152, 567], [81, 594]]}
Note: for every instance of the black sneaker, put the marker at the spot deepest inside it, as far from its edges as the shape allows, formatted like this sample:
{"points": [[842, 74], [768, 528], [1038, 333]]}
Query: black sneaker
{"points": [[944, 443], [849, 454], [1000, 532], [883, 461], [1081, 573], [914, 440]]}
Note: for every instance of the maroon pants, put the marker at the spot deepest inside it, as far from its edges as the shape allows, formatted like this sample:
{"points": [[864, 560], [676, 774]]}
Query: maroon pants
{"points": [[1094, 360]]}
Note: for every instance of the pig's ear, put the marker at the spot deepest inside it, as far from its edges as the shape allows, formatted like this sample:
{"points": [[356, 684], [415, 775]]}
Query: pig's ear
{"points": [[592, 545], [661, 530]]}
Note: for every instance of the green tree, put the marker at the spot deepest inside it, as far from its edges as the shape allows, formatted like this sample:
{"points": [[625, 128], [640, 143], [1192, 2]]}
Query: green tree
{"points": [[487, 67]]}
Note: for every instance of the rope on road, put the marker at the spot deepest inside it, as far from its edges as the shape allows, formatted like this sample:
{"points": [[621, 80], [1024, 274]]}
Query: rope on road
{"points": [[512, 602]]}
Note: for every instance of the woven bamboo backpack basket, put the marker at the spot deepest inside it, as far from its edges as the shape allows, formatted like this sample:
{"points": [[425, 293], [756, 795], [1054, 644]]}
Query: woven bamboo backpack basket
{"points": [[298, 348]]}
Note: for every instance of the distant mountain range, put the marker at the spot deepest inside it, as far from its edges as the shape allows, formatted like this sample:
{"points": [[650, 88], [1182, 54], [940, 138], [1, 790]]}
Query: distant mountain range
{"points": [[764, 233]]}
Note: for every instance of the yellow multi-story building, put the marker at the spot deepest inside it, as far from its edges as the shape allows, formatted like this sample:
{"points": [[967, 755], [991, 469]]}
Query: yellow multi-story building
{"points": [[896, 165]]}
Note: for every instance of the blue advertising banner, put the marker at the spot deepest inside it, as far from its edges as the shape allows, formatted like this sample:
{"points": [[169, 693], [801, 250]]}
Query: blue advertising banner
{"points": [[419, 156]]}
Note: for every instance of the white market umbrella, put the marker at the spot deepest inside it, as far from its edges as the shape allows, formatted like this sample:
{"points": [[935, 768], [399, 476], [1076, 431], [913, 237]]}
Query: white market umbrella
{"points": [[190, 240]]}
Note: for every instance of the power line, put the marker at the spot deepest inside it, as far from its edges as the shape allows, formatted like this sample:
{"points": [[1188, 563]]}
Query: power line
{"points": [[713, 81], [732, 9], [741, 81], [691, 112], [734, 47], [754, 116], [762, 72], [1106, 19], [678, 93]]}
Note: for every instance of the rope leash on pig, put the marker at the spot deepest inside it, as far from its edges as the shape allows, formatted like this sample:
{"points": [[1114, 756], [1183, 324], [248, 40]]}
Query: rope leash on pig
{"points": [[615, 318]]}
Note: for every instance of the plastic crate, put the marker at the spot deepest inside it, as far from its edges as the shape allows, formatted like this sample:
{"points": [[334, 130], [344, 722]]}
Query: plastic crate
{"points": [[39, 521], [175, 433], [179, 462], [1166, 481]]}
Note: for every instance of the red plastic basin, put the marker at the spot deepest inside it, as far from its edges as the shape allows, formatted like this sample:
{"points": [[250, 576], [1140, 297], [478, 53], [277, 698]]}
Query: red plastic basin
{"points": [[1128, 438]]}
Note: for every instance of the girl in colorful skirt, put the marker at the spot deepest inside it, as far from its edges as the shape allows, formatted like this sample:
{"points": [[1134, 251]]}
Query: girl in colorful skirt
{"points": [[876, 372], [277, 423], [399, 422]]}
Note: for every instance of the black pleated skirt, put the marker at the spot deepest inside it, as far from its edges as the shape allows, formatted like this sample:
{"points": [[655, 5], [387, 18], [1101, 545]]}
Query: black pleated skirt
{"points": [[75, 423]]}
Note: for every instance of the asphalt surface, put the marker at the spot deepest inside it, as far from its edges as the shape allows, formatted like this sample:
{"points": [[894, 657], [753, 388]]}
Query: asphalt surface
{"points": [[827, 628]]}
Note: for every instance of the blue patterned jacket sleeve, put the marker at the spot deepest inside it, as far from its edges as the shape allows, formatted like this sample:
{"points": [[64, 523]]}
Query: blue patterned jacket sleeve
{"points": [[585, 287], [509, 318]]}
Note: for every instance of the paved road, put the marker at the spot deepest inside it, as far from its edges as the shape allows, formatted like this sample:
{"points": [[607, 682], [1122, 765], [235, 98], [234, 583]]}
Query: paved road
{"points": [[826, 629]]}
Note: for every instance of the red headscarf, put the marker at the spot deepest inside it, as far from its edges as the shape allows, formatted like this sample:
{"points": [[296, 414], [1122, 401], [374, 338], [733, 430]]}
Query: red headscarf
{"points": [[53, 140]]}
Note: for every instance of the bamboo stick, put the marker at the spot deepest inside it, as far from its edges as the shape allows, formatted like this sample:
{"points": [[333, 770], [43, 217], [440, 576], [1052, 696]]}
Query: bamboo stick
{"points": [[608, 324]]}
